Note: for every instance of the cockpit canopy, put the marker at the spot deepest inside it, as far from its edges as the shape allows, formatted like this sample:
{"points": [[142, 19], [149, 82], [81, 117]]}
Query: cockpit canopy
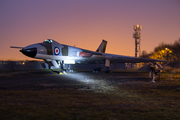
{"points": [[48, 41]]}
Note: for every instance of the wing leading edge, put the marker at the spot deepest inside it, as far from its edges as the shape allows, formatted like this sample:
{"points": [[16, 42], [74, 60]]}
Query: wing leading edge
{"points": [[128, 59]]}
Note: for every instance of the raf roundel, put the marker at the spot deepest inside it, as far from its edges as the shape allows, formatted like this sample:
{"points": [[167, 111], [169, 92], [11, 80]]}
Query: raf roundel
{"points": [[56, 51]]}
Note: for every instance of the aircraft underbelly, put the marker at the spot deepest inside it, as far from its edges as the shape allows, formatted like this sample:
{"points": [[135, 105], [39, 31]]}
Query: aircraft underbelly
{"points": [[44, 56]]}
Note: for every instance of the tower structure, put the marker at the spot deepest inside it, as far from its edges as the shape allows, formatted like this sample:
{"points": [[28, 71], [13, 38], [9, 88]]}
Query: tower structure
{"points": [[137, 36]]}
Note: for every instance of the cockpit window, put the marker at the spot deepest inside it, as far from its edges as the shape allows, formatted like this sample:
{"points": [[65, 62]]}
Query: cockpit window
{"points": [[48, 41]]}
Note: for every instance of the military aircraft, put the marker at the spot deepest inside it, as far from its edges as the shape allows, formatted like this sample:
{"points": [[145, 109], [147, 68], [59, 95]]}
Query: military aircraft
{"points": [[60, 54]]}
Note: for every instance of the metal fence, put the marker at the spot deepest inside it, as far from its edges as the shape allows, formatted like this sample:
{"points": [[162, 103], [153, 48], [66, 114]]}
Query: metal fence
{"points": [[19, 65], [30, 65]]}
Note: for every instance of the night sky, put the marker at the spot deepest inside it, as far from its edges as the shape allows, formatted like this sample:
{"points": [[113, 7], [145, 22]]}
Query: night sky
{"points": [[84, 23]]}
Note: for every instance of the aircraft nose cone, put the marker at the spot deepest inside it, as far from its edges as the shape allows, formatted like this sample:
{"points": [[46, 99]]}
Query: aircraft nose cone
{"points": [[31, 52]]}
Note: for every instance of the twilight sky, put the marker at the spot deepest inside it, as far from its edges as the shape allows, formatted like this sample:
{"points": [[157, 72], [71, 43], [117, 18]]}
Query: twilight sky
{"points": [[84, 23]]}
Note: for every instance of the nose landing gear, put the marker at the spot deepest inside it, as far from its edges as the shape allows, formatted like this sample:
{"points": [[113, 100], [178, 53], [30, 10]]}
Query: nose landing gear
{"points": [[61, 66]]}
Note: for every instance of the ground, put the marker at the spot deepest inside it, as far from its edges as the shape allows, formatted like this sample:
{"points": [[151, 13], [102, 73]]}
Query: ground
{"points": [[85, 95]]}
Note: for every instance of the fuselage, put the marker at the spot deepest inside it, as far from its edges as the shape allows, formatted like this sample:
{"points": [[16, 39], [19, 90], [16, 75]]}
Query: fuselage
{"points": [[52, 50]]}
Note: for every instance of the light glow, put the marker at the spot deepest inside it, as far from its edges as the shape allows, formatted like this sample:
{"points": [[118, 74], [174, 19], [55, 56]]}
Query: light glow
{"points": [[93, 84], [68, 61]]}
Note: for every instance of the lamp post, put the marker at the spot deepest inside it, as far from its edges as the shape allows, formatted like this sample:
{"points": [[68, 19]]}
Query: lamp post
{"points": [[168, 53]]}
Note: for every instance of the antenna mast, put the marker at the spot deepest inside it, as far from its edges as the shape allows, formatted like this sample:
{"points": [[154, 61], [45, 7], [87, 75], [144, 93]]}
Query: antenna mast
{"points": [[137, 36]]}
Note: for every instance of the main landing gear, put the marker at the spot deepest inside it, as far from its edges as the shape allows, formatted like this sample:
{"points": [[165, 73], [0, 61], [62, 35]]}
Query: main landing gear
{"points": [[107, 64], [64, 71], [107, 70]]}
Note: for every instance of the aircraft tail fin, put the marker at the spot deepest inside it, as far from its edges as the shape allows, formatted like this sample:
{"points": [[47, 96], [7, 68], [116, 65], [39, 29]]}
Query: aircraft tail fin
{"points": [[102, 47]]}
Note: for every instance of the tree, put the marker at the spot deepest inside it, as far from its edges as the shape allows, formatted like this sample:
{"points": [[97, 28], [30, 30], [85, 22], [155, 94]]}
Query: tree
{"points": [[144, 54], [164, 54], [176, 50], [165, 51]]}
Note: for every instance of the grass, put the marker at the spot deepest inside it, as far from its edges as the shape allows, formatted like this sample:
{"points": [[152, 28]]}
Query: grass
{"points": [[83, 105], [137, 100]]}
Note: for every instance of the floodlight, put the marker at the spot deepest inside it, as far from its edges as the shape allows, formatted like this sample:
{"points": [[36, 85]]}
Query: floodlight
{"points": [[137, 26], [140, 27]]}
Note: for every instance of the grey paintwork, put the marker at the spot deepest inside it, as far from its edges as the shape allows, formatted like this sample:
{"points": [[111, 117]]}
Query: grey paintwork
{"points": [[46, 51]]}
